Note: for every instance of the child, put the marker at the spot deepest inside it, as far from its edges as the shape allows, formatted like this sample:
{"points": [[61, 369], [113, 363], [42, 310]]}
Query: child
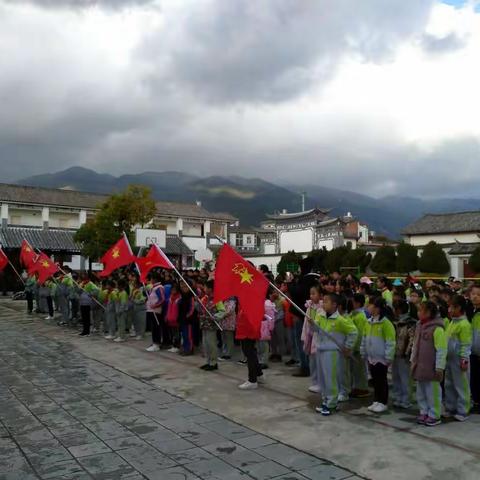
{"points": [[405, 333], [110, 303], [358, 364], [155, 305], [228, 324], [428, 363], [378, 347], [475, 356], [341, 338], [139, 300], [172, 317], [186, 317], [268, 324], [121, 308], [457, 385], [209, 327], [278, 345], [385, 286], [344, 361], [310, 336]]}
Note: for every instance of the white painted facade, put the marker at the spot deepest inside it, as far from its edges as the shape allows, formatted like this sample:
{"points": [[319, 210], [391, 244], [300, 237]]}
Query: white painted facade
{"points": [[297, 240], [442, 239]]}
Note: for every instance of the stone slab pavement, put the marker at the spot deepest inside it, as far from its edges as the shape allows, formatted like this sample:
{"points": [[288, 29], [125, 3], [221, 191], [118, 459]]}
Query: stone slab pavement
{"points": [[66, 416], [118, 391]]}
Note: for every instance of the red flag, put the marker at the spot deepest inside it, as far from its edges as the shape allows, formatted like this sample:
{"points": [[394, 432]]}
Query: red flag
{"points": [[44, 266], [3, 260], [154, 258], [27, 254], [118, 256], [235, 277]]}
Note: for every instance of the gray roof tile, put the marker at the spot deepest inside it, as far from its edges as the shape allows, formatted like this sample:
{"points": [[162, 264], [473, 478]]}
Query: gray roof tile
{"points": [[459, 222], [51, 239]]}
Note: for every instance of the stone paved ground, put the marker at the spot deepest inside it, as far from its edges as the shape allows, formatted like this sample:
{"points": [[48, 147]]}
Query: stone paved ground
{"points": [[66, 416]]}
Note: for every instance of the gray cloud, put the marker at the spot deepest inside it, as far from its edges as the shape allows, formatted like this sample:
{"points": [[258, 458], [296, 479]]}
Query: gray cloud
{"points": [[438, 45], [243, 51], [187, 98], [55, 4]]}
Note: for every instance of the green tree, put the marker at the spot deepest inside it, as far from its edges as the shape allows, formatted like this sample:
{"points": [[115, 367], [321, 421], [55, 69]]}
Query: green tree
{"points": [[356, 258], [433, 259], [474, 261], [334, 258], [407, 258], [384, 260], [318, 257], [120, 213], [288, 262]]}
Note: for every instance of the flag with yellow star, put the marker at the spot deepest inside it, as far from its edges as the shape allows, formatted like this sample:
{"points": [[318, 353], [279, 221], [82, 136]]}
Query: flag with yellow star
{"points": [[3, 260], [117, 256], [235, 277], [27, 254], [154, 258], [44, 267]]}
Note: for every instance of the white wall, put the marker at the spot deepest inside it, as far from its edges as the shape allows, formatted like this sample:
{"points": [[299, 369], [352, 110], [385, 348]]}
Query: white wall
{"points": [[64, 220], [199, 245], [297, 240], [327, 243], [269, 248], [444, 238], [193, 229], [30, 218]]}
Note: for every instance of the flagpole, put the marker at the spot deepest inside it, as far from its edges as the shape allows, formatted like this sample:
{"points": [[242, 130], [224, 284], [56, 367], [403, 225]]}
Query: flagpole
{"points": [[139, 273], [76, 283], [209, 313], [15, 270], [286, 297]]}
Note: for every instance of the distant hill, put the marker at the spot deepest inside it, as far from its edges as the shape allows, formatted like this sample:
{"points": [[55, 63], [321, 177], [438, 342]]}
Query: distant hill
{"points": [[250, 199]]}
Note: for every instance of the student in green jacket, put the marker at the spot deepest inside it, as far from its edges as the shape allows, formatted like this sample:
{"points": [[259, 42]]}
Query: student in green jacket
{"points": [[378, 347], [457, 381], [475, 356], [122, 307], [358, 364]]}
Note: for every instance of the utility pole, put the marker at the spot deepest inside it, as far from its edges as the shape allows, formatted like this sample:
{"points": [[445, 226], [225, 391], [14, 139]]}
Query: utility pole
{"points": [[303, 200]]}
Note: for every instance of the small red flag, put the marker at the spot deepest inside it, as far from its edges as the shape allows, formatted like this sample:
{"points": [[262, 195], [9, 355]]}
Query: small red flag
{"points": [[154, 258], [118, 256], [44, 266], [3, 260], [27, 254], [235, 277]]}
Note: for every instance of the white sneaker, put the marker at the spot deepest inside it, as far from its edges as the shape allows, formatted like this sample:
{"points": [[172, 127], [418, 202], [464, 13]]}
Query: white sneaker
{"points": [[49, 318], [133, 334], [372, 407], [173, 350], [343, 398], [380, 408], [119, 339], [314, 389], [94, 330], [248, 386], [153, 348], [108, 337], [139, 337], [262, 379]]}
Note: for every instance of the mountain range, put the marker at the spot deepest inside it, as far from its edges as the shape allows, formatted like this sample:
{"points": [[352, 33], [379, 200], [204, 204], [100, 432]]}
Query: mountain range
{"points": [[250, 199]]}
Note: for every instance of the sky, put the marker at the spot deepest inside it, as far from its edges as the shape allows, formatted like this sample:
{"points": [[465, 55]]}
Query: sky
{"points": [[379, 96]]}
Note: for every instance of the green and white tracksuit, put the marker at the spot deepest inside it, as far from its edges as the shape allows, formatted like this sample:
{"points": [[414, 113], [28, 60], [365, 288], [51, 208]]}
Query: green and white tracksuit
{"points": [[387, 295], [358, 366], [378, 344], [110, 312], [122, 310], [64, 289], [139, 311], [457, 381], [429, 394], [330, 362]]}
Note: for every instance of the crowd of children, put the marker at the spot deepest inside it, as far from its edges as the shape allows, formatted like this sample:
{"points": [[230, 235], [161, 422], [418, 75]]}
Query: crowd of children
{"points": [[354, 331]]}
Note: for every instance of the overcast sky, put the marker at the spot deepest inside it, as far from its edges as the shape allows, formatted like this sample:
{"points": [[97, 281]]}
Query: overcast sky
{"points": [[376, 96]]}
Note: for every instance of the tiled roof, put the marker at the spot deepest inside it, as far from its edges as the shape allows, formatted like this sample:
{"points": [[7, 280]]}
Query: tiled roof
{"points": [[445, 223], [463, 248], [176, 246], [49, 239], [72, 198], [294, 215]]}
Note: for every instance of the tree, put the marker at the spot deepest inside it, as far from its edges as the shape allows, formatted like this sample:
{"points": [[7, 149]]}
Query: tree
{"points": [[407, 258], [289, 261], [384, 260], [318, 257], [334, 258], [474, 262], [120, 213], [433, 259], [356, 258]]}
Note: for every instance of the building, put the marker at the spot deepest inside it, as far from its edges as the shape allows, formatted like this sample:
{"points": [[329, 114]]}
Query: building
{"points": [[458, 233], [244, 239], [48, 218], [306, 231]]}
